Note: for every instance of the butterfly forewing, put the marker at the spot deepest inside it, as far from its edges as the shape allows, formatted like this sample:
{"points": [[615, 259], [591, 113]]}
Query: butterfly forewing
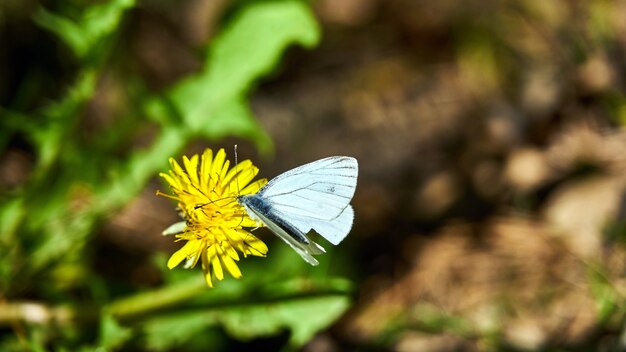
{"points": [[321, 189]]}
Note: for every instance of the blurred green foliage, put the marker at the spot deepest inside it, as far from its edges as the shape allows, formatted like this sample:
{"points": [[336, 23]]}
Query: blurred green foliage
{"points": [[47, 223]]}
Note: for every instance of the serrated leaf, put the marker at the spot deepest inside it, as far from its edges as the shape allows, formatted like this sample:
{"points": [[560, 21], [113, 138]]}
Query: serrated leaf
{"points": [[112, 334], [169, 332], [83, 35], [212, 103], [302, 316], [235, 118]]}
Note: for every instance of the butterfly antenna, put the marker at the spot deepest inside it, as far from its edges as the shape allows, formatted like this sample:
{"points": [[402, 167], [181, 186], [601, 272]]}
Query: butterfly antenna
{"points": [[202, 205], [236, 172], [237, 182], [243, 214]]}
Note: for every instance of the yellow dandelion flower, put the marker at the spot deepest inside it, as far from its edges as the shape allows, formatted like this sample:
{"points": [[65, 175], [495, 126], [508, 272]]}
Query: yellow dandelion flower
{"points": [[206, 190]]}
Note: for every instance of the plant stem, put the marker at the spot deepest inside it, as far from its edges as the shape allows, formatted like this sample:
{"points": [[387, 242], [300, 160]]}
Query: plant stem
{"points": [[145, 302], [123, 309]]}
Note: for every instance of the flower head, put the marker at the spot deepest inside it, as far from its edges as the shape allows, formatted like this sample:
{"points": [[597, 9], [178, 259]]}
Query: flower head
{"points": [[206, 191]]}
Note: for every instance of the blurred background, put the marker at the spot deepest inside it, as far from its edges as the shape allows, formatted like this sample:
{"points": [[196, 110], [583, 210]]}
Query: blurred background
{"points": [[490, 208]]}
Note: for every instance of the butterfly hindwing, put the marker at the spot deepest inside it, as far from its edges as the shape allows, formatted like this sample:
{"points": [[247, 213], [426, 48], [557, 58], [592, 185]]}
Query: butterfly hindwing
{"points": [[334, 230]]}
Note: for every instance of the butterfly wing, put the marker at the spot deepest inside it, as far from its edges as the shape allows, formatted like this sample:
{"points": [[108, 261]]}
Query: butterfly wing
{"points": [[316, 196], [334, 230], [286, 231]]}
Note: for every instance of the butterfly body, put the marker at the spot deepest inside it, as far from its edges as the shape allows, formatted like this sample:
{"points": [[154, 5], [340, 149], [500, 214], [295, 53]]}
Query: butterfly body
{"points": [[315, 196]]}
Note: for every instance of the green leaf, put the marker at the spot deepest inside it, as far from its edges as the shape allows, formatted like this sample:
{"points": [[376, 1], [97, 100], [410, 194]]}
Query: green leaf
{"points": [[303, 316], [112, 334], [213, 103], [84, 35], [265, 302], [606, 299], [12, 213], [64, 28], [60, 118], [180, 330], [235, 118]]}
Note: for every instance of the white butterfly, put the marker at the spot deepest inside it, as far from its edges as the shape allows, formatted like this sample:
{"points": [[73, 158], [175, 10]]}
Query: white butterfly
{"points": [[315, 196]]}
